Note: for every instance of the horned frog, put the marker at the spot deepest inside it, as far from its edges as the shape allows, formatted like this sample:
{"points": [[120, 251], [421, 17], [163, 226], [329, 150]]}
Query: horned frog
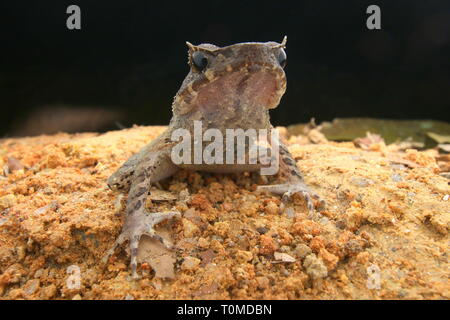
{"points": [[231, 87]]}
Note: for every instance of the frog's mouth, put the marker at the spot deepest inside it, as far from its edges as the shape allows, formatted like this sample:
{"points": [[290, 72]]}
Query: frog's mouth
{"points": [[243, 88]]}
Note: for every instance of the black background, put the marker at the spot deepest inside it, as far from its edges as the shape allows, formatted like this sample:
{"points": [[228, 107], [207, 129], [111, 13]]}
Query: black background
{"points": [[130, 57]]}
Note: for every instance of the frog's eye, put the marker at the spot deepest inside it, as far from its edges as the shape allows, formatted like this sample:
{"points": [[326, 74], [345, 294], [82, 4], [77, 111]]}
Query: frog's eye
{"points": [[199, 60], [282, 58]]}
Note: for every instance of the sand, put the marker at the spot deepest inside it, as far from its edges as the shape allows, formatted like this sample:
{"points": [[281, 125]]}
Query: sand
{"points": [[384, 233]]}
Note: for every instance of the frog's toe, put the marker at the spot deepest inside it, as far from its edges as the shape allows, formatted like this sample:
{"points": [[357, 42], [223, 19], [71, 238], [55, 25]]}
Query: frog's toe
{"points": [[120, 239], [137, 225], [304, 193], [287, 190], [147, 227]]}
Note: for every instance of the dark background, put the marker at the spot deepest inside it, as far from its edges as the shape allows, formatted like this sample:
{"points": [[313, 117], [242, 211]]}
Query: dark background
{"points": [[129, 59]]}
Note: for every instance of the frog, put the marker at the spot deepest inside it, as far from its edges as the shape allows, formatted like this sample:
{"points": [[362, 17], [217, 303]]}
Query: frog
{"points": [[229, 87]]}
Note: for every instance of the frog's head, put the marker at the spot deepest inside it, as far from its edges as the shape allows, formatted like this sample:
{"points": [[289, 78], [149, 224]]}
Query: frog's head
{"points": [[246, 76]]}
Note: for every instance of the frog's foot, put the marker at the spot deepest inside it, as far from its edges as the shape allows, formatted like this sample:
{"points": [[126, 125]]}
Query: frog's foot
{"points": [[287, 190], [138, 224]]}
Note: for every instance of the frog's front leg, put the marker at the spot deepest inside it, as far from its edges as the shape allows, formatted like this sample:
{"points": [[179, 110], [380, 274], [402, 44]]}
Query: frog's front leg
{"points": [[294, 183], [152, 167]]}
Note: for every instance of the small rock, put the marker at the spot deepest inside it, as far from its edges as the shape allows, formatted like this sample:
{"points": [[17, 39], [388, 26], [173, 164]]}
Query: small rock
{"points": [[190, 229], [263, 282], [302, 250], [241, 274], [39, 273], [262, 230], [183, 195], [21, 252], [31, 286], [402, 293], [315, 267], [207, 257], [51, 206], [397, 166], [7, 201], [289, 212], [3, 221], [76, 297], [49, 291], [324, 220], [157, 284], [244, 256], [271, 208], [363, 257], [203, 243], [190, 263], [361, 182], [446, 197], [267, 245], [161, 195], [329, 259], [14, 164], [284, 257]]}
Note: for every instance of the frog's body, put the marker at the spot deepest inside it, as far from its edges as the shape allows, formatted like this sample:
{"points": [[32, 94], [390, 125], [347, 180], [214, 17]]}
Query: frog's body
{"points": [[227, 88]]}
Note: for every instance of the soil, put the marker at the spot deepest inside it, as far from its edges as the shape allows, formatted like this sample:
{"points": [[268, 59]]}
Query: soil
{"points": [[383, 234]]}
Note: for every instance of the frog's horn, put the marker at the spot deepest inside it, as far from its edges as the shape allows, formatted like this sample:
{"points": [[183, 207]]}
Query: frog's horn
{"points": [[190, 46], [203, 46], [277, 45], [283, 43]]}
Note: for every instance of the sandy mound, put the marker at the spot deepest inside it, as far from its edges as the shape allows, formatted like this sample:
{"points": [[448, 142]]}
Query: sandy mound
{"points": [[384, 233]]}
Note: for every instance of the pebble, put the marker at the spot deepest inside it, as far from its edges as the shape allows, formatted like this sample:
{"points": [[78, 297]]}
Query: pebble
{"points": [[14, 164], [190, 229], [262, 230], [290, 212], [315, 267], [396, 177], [244, 256], [39, 273], [263, 282], [7, 201], [203, 243], [361, 182], [284, 257], [49, 291], [3, 221], [31, 286], [272, 208], [302, 250], [21, 252], [190, 263]]}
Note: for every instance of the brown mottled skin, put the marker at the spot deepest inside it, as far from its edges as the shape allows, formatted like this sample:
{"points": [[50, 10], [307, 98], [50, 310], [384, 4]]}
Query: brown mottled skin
{"points": [[236, 89]]}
